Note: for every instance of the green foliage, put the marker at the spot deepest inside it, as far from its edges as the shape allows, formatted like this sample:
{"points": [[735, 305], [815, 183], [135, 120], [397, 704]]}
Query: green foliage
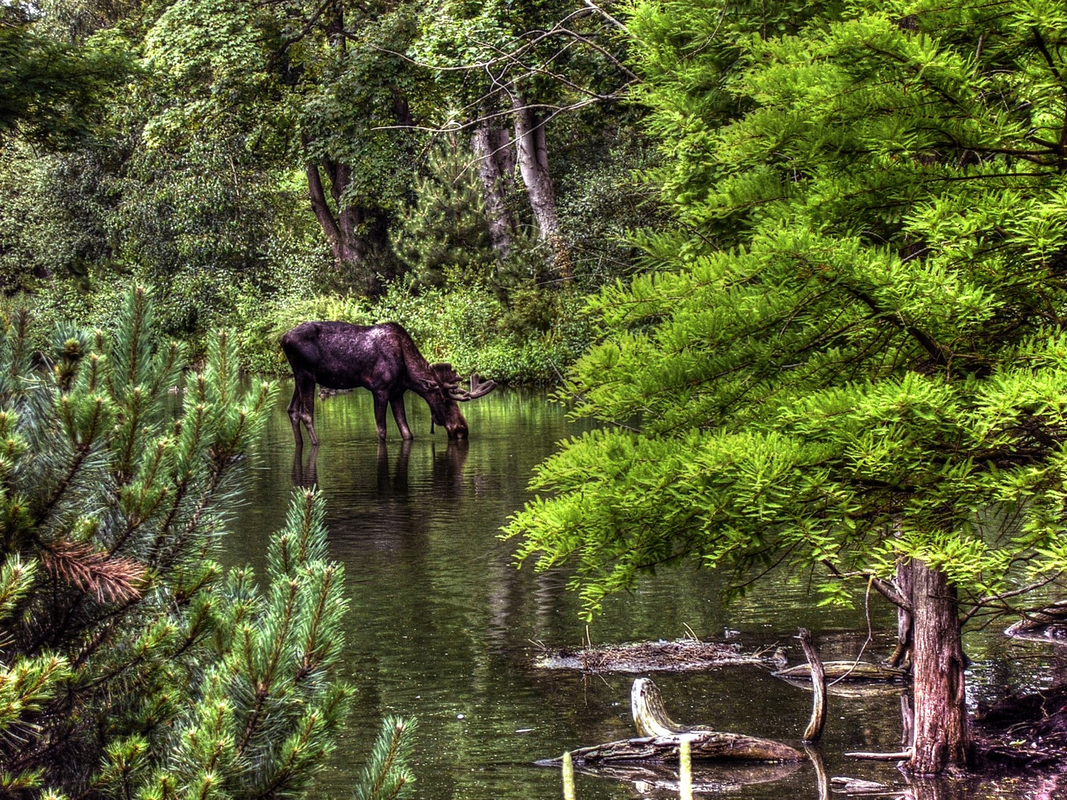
{"points": [[605, 196], [467, 326], [387, 775], [484, 48], [131, 664], [195, 227], [444, 234], [52, 93], [262, 320], [851, 351]]}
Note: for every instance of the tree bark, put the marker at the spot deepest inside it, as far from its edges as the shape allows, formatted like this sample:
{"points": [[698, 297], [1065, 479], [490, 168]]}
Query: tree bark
{"points": [[492, 148], [940, 735], [532, 152], [903, 649]]}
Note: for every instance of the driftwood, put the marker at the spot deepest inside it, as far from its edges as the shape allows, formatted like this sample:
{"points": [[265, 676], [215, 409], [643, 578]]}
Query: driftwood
{"points": [[1046, 625], [709, 777], [680, 655], [855, 786], [706, 746], [901, 755], [813, 732], [659, 737]]}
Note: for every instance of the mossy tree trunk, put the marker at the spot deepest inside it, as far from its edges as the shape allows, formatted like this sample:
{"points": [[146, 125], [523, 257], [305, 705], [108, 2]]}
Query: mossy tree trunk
{"points": [[940, 733]]}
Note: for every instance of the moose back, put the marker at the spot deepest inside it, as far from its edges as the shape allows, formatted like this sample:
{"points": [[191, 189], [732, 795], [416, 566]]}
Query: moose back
{"points": [[381, 358]]}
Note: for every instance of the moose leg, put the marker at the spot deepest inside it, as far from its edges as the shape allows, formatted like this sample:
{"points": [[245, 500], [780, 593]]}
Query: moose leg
{"points": [[397, 404], [380, 401], [294, 416], [302, 410]]}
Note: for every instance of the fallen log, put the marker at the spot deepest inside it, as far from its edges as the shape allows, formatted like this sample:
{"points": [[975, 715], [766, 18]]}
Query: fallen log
{"points": [[704, 745], [846, 671], [856, 786], [682, 655], [902, 755], [1048, 624], [659, 737]]}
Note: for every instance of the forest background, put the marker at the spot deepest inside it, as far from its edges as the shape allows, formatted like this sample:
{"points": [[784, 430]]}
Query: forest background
{"points": [[815, 255], [465, 169]]}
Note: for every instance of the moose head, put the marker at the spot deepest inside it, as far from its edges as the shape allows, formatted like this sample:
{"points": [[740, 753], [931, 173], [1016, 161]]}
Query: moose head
{"points": [[443, 395]]}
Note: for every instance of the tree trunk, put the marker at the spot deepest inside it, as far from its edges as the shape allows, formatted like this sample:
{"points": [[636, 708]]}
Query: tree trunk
{"points": [[940, 736], [344, 225], [532, 153], [492, 148]]}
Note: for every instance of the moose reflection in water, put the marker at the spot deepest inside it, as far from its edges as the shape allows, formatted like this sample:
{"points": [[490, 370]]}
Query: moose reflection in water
{"points": [[382, 358], [446, 477]]}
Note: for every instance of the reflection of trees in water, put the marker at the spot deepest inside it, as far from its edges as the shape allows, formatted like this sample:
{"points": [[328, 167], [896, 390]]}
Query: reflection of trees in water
{"points": [[390, 503]]}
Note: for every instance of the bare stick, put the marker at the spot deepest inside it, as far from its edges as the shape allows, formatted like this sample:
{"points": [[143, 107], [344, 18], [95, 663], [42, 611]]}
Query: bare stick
{"points": [[818, 684], [568, 777], [685, 769]]}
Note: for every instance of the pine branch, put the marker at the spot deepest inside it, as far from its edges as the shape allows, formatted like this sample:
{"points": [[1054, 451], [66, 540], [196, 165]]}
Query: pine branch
{"points": [[387, 775], [108, 579]]}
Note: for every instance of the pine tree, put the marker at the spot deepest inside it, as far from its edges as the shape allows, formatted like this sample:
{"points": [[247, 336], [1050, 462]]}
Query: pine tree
{"points": [[849, 359], [131, 663], [445, 230]]}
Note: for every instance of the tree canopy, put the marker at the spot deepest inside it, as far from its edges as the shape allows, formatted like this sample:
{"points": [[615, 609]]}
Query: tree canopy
{"points": [[51, 92], [850, 354]]}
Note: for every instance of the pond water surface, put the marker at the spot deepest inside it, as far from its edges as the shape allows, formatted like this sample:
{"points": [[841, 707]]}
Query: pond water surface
{"points": [[444, 628]]}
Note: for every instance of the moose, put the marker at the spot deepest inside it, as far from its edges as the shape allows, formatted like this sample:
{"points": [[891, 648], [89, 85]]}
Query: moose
{"points": [[382, 358]]}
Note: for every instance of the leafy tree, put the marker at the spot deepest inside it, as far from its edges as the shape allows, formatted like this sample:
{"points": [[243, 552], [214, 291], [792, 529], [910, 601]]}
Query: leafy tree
{"points": [[508, 69], [131, 663], [850, 358], [316, 89], [51, 92], [197, 225]]}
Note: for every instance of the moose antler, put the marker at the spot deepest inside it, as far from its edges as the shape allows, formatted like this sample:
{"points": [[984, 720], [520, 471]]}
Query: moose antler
{"points": [[478, 389]]}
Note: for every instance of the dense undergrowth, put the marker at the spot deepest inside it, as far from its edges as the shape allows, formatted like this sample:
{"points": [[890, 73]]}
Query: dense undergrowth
{"points": [[532, 341], [527, 338]]}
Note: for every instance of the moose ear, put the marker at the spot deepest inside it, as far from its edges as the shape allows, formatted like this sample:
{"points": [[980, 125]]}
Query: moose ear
{"points": [[444, 373]]}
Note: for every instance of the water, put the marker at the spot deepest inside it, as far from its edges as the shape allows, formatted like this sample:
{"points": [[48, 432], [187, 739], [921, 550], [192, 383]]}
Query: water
{"points": [[444, 628]]}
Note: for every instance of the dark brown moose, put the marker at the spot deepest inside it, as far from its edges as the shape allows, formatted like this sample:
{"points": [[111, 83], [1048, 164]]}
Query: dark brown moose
{"points": [[382, 358]]}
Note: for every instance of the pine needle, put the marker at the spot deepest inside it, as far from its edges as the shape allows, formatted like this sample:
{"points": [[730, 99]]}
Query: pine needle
{"points": [[107, 579]]}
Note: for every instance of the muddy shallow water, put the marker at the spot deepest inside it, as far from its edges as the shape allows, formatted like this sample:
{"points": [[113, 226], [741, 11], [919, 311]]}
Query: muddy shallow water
{"points": [[443, 627]]}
